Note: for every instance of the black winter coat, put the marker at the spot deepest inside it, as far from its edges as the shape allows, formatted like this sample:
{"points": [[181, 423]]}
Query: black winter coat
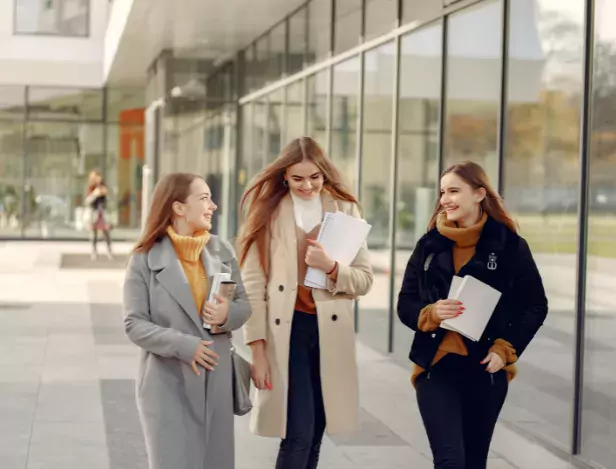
{"points": [[503, 260]]}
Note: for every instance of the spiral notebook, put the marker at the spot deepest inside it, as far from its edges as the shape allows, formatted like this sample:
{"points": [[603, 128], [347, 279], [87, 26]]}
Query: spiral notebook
{"points": [[479, 301], [342, 236]]}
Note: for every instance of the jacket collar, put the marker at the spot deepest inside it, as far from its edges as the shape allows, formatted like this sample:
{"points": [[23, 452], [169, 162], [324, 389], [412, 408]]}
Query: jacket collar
{"points": [[493, 238], [163, 259]]}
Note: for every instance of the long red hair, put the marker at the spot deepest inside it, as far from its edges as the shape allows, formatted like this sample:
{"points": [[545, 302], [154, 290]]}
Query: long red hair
{"points": [[263, 196], [174, 187], [492, 204]]}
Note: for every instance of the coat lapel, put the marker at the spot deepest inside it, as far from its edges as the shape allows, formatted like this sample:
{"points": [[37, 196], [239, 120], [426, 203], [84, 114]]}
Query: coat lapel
{"points": [[171, 276]]}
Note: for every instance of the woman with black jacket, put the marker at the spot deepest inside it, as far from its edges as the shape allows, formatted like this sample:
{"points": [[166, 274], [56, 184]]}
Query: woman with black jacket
{"points": [[461, 385]]}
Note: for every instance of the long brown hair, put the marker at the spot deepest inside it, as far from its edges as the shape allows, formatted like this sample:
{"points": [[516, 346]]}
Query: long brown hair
{"points": [[174, 187], [492, 204], [262, 197]]}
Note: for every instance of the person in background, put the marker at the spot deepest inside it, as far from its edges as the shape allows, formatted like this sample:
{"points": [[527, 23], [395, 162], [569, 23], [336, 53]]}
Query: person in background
{"points": [[185, 407], [96, 202], [302, 339], [461, 385]]}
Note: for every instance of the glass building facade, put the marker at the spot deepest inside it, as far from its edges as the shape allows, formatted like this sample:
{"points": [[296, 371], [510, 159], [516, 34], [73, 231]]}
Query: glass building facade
{"points": [[396, 91], [50, 139]]}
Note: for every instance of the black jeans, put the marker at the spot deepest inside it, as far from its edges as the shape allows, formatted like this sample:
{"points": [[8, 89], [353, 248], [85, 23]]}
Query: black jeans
{"points": [[305, 412], [459, 403]]}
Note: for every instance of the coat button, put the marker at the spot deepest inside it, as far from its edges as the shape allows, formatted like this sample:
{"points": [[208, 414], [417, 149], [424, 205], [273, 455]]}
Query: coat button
{"points": [[280, 287], [277, 321], [434, 336], [334, 317]]}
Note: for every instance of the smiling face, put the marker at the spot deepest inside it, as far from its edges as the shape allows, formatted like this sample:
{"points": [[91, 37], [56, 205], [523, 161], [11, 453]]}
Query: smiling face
{"points": [[460, 201], [305, 180], [196, 212]]}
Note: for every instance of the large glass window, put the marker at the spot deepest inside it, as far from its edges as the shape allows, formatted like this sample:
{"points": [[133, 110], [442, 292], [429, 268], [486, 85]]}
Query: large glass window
{"points": [[316, 112], [55, 17], [12, 102], [540, 188], [298, 45], [420, 62], [419, 9], [11, 187], [344, 119], [599, 396], [381, 17], [319, 30], [295, 112], [65, 104], [375, 190], [473, 85], [275, 125], [348, 24]]}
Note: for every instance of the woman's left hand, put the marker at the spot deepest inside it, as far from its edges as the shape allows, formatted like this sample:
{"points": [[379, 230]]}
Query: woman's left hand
{"points": [[317, 258], [216, 314], [494, 361]]}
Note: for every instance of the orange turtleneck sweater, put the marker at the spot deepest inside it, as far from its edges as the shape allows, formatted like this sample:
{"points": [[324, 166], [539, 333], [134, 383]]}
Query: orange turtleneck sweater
{"points": [[188, 250], [463, 250]]}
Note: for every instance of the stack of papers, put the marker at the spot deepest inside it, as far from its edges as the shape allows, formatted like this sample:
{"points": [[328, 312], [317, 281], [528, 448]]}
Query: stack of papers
{"points": [[479, 301], [342, 236]]}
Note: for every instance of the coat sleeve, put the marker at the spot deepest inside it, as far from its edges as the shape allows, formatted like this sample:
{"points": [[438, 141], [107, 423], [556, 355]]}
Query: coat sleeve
{"points": [[138, 323], [255, 285], [410, 305], [239, 309], [355, 279], [533, 303]]}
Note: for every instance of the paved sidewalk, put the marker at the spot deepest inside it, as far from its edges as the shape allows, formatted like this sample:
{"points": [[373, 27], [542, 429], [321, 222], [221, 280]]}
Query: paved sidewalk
{"points": [[66, 381]]}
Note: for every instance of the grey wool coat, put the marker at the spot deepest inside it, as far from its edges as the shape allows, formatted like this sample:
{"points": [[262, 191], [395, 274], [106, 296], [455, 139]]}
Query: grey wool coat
{"points": [[187, 419]]}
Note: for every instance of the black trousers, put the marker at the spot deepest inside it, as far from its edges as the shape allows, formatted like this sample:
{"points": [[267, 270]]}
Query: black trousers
{"points": [[460, 403], [305, 412]]}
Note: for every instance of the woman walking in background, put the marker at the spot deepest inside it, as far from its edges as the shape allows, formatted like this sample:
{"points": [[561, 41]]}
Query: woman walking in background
{"points": [[96, 202], [461, 385], [185, 407], [302, 340]]}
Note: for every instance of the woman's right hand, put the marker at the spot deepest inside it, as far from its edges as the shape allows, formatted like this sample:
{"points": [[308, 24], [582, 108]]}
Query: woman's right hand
{"points": [[205, 357], [447, 309], [260, 371]]}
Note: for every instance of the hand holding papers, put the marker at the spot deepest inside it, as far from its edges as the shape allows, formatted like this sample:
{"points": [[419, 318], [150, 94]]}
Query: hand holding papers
{"points": [[479, 301], [223, 286], [342, 236]]}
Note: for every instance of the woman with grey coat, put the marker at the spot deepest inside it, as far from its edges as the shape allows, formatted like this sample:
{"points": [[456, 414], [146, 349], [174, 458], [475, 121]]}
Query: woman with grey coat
{"points": [[185, 407]]}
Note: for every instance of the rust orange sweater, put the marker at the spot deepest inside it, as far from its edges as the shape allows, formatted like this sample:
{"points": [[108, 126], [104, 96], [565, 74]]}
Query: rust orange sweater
{"points": [[465, 241], [188, 250]]}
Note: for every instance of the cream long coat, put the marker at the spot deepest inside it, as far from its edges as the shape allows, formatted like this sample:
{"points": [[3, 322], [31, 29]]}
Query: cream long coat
{"points": [[273, 300]]}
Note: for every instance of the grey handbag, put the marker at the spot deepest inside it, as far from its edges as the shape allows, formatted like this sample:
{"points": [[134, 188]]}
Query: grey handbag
{"points": [[241, 382]]}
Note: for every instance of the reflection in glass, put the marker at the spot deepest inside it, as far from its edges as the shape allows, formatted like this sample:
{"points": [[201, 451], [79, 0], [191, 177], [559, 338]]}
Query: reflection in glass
{"points": [[316, 112], [473, 85], [58, 158], [319, 30], [599, 396], [298, 45], [540, 188], [417, 153], [59, 17], [65, 103], [295, 112], [375, 191], [122, 99], [12, 102], [381, 17], [348, 25], [275, 125], [344, 119], [11, 160]]}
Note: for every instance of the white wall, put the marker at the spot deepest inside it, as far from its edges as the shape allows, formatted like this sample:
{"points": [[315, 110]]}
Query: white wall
{"points": [[51, 60]]}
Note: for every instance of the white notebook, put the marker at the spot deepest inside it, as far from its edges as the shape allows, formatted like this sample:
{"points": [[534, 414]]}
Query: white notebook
{"points": [[479, 301], [342, 236]]}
